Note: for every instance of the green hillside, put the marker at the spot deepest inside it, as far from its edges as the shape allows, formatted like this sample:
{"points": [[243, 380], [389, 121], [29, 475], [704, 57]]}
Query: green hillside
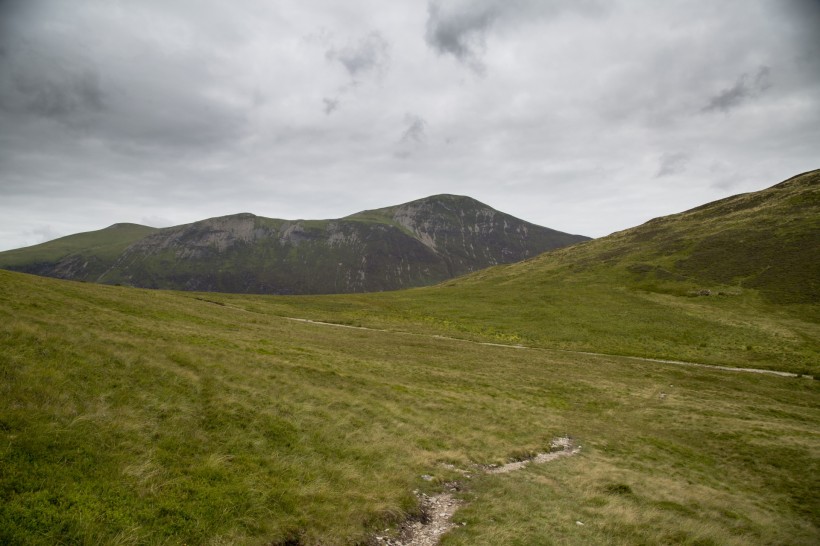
{"points": [[767, 241], [82, 256], [146, 417]]}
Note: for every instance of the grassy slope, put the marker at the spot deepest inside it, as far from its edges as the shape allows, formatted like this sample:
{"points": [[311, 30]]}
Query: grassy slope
{"points": [[105, 244], [131, 416], [83, 256], [634, 292]]}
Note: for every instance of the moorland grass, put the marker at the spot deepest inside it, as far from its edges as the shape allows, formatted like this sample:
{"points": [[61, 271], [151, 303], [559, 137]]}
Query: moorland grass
{"points": [[139, 417], [739, 329]]}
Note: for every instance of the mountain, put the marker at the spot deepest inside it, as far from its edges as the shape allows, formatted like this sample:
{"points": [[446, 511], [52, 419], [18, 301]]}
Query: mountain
{"points": [[415, 244]]}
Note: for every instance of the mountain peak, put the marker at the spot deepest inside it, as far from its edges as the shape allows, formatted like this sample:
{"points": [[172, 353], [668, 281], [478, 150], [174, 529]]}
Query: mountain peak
{"points": [[228, 217], [446, 201], [127, 225], [449, 198]]}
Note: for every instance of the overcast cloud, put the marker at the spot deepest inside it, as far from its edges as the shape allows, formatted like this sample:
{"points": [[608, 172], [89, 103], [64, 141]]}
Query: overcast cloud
{"points": [[585, 116]]}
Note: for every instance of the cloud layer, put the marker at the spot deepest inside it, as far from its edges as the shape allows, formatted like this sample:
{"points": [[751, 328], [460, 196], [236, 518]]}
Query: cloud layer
{"points": [[584, 116], [745, 88]]}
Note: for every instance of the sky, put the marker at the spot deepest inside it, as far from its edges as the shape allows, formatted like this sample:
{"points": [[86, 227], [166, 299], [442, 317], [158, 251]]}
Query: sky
{"points": [[585, 116]]}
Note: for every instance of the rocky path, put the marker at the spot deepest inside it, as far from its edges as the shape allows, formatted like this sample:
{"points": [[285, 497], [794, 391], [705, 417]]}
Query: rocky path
{"points": [[437, 516], [560, 447], [438, 510]]}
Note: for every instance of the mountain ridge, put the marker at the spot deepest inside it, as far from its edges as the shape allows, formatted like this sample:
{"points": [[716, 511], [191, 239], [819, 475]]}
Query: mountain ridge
{"points": [[418, 243]]}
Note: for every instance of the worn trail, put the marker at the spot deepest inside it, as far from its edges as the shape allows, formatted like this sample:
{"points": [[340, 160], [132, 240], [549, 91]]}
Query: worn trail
{"points": [[438, 510], [638, 358]]}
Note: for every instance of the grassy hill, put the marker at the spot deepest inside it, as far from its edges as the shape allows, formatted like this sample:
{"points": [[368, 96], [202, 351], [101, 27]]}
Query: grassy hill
{"points": [[415, 244], [83, 256], [132, 416], [768, 241]]}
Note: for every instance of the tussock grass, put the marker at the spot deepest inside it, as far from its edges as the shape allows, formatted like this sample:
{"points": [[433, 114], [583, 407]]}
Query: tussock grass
{"points": [[575, 504]]}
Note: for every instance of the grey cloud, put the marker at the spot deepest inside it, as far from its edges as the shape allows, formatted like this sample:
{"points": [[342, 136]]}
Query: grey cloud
{"points": [[196, 129], [805, 17], [460, 32], [413, 137], [155, 221], [460, 27], [746, 87], [139, 107], [672, 163], [43, 84], [170, 122], [367, 57], [370, 55], [60, 99], [723, 176], [331, 105], [415, 131], [43, 233]]}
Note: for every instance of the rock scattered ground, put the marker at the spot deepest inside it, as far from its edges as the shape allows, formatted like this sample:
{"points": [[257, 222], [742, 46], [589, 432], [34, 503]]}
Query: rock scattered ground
{"points": [[560, 447], [437, 515], [438, 510]]}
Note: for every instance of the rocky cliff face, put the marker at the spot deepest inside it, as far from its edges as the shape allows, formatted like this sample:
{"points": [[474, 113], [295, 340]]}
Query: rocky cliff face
{"points": [[414, 244], [470, 235]]}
